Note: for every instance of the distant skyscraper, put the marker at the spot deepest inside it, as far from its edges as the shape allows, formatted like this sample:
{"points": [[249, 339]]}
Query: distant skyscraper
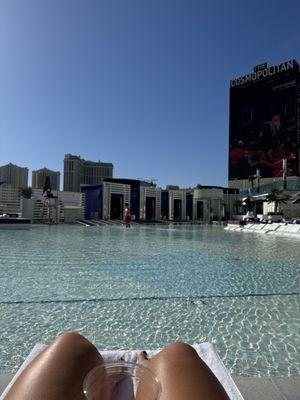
{"points": [[78, 171], [39, 178], [264, 123], [14, 176]]}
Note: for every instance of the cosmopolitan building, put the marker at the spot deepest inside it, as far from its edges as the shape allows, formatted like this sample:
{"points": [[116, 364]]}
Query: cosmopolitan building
{"points": [[264, 125], [78, 171], [39, 177], [13, 176]]}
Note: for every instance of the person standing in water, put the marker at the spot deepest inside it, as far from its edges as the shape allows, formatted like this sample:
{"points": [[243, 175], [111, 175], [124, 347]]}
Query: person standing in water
{"points": [[127, 218]]}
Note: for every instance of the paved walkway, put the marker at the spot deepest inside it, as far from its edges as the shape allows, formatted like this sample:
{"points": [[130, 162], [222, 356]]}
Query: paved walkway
{"points": [[251, 388], [269, 388]]}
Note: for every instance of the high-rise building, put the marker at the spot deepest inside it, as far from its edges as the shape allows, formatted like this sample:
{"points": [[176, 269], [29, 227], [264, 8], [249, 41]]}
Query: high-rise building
{"points": [[39, 178], [78, 171], [14, 176], [264, 126]]}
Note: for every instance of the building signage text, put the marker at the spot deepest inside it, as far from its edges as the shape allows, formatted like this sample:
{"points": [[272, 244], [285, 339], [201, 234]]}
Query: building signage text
{"points": [[262, 73]]}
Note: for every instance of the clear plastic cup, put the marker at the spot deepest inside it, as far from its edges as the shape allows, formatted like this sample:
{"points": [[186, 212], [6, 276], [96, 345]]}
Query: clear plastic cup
{"points": [[121, 381]]}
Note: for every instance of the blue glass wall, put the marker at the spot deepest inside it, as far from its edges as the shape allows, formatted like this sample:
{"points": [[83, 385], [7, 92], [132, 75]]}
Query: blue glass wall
{"points": [[189, 206], [165, 204], [93, 201], [135, 202]]}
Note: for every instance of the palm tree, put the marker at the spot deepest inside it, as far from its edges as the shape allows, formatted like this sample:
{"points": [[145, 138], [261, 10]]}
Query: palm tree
{"points": [[276, 197], [26, 192]]}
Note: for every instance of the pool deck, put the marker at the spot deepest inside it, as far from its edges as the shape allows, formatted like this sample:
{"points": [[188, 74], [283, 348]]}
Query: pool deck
{"points": [[251, 388], [276, 228], [269, 388]]}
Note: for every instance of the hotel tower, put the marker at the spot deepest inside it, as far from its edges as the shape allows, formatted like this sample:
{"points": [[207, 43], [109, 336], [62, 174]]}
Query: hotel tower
{"points": [[78, 171], [264, 125]]}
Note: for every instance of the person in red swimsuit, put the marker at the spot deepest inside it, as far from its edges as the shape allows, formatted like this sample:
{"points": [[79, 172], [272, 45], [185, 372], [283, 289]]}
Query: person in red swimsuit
{"points": [[127, 218]]}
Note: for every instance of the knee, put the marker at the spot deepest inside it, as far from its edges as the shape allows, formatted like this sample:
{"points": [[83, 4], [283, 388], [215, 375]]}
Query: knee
{"points": [[71, 338], [180, 349], [69, 352], [74, 341]]}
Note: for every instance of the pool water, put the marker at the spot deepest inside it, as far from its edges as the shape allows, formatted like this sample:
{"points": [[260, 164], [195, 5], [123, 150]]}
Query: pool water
{"points": [[150, 285]]}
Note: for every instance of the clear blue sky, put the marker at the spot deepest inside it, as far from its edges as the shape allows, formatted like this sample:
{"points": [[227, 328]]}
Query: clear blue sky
{"points": [[143, 84]]}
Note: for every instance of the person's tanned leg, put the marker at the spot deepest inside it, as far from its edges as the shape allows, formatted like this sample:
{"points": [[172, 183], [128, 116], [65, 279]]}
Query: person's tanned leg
{"points": [[58, 372], [182, 375]]}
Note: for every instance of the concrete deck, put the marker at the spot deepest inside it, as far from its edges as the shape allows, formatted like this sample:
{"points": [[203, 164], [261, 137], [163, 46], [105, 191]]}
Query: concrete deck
{"points": [[269, 388], [251, 388]]}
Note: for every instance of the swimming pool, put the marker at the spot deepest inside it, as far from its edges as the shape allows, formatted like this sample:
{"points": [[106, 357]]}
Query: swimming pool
{"points": [[147, 286]]}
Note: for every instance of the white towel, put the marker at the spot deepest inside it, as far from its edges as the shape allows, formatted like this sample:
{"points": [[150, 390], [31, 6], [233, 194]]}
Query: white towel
{"points": [[205, 351]]}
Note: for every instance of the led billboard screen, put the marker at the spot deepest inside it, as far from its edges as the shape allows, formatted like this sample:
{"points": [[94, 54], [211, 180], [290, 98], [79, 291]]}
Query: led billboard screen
{"points": [[264, 122]]}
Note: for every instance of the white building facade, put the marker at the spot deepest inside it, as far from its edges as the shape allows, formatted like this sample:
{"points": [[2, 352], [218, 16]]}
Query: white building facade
{"points": [[116, 197], [10, 200], [150, 203], [177, 205], [63, 207]]}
